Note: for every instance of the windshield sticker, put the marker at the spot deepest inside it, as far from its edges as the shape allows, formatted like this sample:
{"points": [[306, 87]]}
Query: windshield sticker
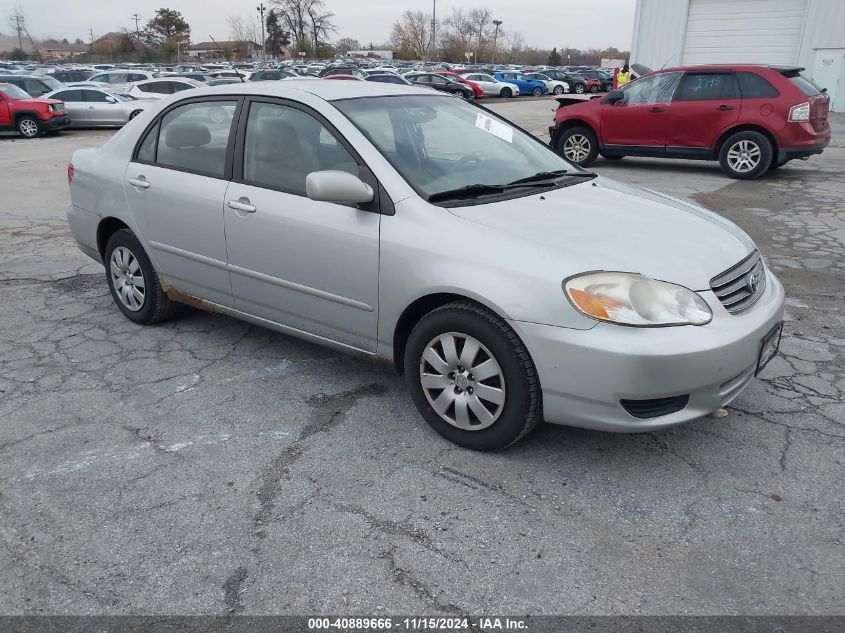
{"points": [[496, 128]]}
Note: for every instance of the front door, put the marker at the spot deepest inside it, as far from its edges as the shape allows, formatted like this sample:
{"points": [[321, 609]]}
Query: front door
{"points": [[102, 111], [175, 186], [705, 104], [311, 266], [641, 118]]}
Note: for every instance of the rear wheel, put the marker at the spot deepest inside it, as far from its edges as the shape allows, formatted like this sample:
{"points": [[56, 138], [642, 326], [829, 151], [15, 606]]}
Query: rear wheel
{"points": [[745, 155], [506, 93], [537, 91], [28, 127], [578, 145], [133, 282], [594, 88], [472, 378]]}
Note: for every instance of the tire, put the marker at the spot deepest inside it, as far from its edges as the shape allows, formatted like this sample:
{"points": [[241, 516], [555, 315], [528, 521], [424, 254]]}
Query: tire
{"points": [[745, 155], [28, 127], [612, 156], [537, 92], [506, 93], [155, 305], [516, 405], [579, 151], [135, 113], [579, 89], [594, 88], [558, 90]]}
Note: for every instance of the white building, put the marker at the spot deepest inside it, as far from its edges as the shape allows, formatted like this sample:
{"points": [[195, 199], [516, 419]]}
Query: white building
{"points": [[806, 33]]}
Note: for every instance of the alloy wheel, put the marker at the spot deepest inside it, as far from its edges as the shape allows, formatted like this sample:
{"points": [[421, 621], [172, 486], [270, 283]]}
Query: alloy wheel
{"points": [[28, 128], [127, 278], [576, 148], [744, 156], [462, 381]]}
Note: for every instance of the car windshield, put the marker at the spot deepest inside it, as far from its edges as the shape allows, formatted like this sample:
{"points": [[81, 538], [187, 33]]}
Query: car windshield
{"points": [[441, 144], [13, 92], [54, 85]]}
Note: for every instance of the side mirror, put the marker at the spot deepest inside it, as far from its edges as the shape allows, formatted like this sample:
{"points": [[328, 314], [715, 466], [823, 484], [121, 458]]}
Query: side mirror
{"points": [[337, 186], [614, 96], [111, 100]]}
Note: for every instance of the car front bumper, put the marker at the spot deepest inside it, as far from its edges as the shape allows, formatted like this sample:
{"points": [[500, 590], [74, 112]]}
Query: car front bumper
{"points": [[584, 374], [56, 123]]}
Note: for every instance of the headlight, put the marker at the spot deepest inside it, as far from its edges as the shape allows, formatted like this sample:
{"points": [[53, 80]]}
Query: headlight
{"points": [[632, 299]]}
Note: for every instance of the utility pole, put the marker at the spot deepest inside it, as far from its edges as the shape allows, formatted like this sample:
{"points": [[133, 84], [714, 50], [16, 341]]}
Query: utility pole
{"points": [[91, 36], [433, 29], [260, 8], [137, 19], [498, 23], [17, 18]]}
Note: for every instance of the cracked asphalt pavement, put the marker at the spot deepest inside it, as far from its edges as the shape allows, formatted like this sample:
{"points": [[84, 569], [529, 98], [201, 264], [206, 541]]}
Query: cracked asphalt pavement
{"points": [[207, 466]]}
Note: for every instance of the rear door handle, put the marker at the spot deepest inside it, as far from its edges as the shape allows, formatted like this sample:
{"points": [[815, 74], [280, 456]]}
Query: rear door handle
{"points": [[139, 182], [656, 109], [725, 108], [242, 204]]}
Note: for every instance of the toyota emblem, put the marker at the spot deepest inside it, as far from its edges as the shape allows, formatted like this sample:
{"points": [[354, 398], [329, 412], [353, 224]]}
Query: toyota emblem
{"points": [[754, 282]]}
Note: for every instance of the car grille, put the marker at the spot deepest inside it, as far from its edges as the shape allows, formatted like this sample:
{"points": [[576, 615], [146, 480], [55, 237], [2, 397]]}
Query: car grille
{"points": [[739, 287]]}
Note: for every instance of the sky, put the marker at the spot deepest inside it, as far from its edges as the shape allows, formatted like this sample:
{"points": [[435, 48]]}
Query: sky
{"points": [[543, 23]]}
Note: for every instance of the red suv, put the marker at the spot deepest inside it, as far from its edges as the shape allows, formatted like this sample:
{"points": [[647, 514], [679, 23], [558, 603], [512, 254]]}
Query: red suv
{"points": [[750, 118], [30, 117]]}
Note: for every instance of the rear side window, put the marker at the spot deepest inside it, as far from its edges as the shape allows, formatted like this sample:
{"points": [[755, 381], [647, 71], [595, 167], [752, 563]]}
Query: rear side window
{"points": [[194, 137], [147, 151], [754, 86], [35, 87], [704, 87], [806, 86], [178, 86], [95, 96], [70, 95]]}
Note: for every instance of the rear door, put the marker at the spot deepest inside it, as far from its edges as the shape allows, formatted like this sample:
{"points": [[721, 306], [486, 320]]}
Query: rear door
{"points": [[640, 121], [705, 104], [75, 105], [175, 185]]}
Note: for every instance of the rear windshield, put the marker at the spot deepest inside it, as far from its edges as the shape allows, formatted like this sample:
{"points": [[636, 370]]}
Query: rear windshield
{"points": [[806, 86]]}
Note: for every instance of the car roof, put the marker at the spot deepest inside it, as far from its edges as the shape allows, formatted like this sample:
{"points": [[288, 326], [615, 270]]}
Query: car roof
{"points": [[321, 88], [778, 68]]}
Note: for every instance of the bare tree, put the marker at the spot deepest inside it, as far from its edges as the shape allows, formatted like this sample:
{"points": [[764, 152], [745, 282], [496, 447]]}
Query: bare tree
{"points": [[306, 20], [241, 30], [412, 33], [321, 22], [482, 26]]}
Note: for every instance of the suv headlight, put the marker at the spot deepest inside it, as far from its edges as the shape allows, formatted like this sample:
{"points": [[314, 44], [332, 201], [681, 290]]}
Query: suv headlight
{"points": [[632, 299]]}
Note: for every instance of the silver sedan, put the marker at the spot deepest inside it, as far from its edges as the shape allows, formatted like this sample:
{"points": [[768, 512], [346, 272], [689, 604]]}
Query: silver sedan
{"points": [[95, 107], [412, 228]]}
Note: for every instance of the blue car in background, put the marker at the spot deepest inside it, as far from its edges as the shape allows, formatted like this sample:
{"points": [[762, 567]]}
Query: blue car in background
{"points": [[527, 85]]}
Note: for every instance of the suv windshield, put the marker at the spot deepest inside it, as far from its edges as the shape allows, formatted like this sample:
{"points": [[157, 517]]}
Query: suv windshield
{"points": [[13, 92], [442, 144]]}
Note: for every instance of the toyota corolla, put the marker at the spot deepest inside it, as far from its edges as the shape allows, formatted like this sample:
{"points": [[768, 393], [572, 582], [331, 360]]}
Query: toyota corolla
{"points": [[412, 227]]}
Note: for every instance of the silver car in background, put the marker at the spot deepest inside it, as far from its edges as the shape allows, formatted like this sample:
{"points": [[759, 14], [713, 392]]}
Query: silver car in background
{"points": [[406, 226], [94, 107]]}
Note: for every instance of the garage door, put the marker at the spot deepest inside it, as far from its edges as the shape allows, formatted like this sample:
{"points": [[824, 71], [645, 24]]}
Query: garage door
{"points": [[750, 31]]}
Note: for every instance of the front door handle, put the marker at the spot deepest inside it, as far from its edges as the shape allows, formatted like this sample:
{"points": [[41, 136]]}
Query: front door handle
{"points": [[725, 108], [139, 182], [656, 109], [241, 204], [90, 107]]}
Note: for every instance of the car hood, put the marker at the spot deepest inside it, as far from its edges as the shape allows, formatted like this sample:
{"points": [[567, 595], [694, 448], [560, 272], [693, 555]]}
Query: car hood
{"points": [[605, 225], [42, 100]]}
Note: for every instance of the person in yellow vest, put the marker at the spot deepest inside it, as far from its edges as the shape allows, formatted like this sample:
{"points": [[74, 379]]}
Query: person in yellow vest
{"points": [[623, 76]]}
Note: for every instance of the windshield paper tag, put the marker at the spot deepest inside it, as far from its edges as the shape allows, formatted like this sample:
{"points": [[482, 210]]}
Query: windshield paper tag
{"points": [[494, 127]]}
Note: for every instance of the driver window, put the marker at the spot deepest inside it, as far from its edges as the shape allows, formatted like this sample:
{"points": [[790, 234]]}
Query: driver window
{"points": [[284, 144], [651, 90]]}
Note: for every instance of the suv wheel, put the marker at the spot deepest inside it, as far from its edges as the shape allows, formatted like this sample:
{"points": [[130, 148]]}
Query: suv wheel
{"points": [[133, 282], [28, 127], [578, 145], [472, 378], [745, 155]]}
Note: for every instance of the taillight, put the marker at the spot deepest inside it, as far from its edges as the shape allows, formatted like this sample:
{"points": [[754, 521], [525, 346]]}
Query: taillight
{"points": [[800, 112], [70, 172]]}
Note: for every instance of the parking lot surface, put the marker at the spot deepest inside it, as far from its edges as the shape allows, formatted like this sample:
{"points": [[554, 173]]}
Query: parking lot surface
{"points": [[207, 466]]}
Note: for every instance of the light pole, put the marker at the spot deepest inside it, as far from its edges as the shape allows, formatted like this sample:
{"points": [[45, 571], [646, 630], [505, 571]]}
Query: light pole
{"points": [[498, 23], [260, 8], [433, 29]]}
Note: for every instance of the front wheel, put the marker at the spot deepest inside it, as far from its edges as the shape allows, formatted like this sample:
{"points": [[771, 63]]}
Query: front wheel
{"points": [[469, 96], [134, 113], [506, 93], [133, 282], [579, 89], [28, 127], [594, 88], [578, 145], [537, 92], [558, 90], [745, 155], [472, 378]]}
